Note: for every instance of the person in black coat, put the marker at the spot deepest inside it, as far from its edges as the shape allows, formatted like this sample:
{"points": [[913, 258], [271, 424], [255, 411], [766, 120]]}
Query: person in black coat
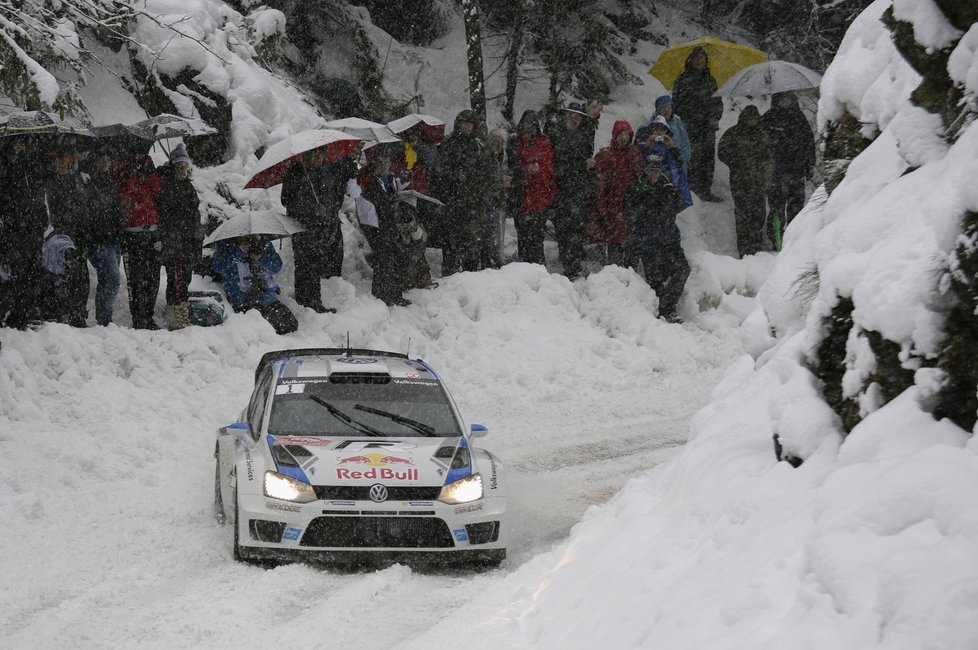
{"points": [[744, 149], [388, 258], [692, 97], [651, 206], [105, 234], [69, 202], [312, 193], [793, 160], [573, 151], [178, 205], [24, 170], [465, 183]]}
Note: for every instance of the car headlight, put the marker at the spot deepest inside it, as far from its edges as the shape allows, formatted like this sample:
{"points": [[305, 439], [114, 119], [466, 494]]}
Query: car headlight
{"points": [[463, 490], [286, 488]]}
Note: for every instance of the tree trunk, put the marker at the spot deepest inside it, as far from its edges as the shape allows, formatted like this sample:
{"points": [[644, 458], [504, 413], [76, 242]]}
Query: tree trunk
{"points": [[512, 62], [473, 52]]}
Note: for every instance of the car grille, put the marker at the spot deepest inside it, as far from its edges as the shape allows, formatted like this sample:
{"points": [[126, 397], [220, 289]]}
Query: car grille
{"points": [[378, 532], [362, 493]]}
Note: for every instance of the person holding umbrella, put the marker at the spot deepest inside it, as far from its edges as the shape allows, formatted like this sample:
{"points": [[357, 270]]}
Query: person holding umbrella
{"points": [[744, 149], [23, 217], [793, 162], [312, 193], [248, 266], [693, 98]]}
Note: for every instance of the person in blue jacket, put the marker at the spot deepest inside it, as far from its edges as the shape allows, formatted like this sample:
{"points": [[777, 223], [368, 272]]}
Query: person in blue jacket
{"points": [[658, 142], [248, 266]]}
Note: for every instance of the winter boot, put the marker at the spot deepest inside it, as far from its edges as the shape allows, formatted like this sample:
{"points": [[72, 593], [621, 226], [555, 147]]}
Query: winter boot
{"points": [[177, 316]]}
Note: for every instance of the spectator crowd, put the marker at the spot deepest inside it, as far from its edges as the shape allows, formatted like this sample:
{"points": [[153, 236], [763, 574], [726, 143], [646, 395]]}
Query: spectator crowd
{"points": [[67, 206]]}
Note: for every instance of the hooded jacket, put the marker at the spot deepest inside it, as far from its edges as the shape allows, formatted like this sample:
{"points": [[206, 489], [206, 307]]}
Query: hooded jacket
{"points": [[616, 169], [692, 95], [535, 192], [466, 177]]}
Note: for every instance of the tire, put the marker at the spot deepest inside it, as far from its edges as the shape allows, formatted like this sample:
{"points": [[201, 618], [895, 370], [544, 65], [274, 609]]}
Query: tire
{"points": [[236, 549], [219, 513]]}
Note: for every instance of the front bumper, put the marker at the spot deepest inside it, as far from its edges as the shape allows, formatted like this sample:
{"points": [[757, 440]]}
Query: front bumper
{"points": [[351, 530]]}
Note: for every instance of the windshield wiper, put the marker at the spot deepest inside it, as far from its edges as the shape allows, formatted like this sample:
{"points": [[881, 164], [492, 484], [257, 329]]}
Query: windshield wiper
{"points": [[344, 418], [420, 427]]}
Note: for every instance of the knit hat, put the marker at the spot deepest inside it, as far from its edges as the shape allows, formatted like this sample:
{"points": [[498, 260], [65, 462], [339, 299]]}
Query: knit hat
{"points": [[655, 163], [179, 154], [664, 100]]}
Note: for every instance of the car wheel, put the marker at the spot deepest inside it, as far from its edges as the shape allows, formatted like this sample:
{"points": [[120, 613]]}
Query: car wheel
{"points": [[219, 513], [237, 548]]}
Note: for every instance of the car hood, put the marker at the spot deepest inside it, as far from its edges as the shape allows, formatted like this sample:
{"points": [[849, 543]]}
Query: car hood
{"points": [[346, 461]]}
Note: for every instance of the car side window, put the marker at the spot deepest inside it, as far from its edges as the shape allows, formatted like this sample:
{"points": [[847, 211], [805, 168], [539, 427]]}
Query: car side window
{"points": [[259, 400]]}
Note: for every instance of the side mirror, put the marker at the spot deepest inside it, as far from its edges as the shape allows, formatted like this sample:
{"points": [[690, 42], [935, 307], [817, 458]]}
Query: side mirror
{"points": [[479, 430], [233, 429]]}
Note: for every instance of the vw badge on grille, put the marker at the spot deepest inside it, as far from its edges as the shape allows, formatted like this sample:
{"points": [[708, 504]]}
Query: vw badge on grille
{"points": [[378, 493]]}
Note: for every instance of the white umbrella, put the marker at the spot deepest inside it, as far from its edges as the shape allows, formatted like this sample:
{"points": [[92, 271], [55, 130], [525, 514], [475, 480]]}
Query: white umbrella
{"points": [[432, 129], [244, 224], [372, 133], [768, 78], [164, 126]]}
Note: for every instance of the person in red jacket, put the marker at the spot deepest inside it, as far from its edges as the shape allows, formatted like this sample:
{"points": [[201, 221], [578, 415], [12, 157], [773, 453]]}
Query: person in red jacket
{"points": [[534, 186], [616, 169], [141, 242]]}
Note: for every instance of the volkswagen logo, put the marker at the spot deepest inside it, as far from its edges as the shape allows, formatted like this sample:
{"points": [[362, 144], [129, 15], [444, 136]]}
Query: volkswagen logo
{"points": [[378, 493]]}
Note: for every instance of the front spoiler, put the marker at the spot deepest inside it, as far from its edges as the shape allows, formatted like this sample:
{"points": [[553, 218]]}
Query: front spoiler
{"points": [[487, 556]]}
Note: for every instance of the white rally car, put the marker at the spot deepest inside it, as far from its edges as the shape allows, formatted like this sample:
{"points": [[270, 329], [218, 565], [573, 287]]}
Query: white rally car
{"points": [[357, 455]]}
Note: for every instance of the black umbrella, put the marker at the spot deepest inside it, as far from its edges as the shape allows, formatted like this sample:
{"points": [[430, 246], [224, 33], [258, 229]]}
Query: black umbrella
{"points": [[139, 137], [41, 123]]}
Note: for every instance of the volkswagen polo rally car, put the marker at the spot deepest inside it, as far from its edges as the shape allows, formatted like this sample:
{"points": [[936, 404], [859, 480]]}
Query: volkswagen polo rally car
{"points": [[357, 454]]}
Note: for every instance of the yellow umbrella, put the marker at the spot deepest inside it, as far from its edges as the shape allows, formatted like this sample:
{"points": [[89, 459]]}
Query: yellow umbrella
{"points": [[725, 58]]}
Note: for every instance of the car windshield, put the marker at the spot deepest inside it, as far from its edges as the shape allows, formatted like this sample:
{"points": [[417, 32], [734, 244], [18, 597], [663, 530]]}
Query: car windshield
{"points": [[317, 406]]}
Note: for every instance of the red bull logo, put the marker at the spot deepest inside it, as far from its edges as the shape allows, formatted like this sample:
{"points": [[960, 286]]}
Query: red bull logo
{"points": [[378, 467]]}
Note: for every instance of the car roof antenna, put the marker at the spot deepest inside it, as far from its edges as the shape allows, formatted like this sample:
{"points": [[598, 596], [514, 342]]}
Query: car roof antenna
{"points": [[408, 353], [349, 352]]}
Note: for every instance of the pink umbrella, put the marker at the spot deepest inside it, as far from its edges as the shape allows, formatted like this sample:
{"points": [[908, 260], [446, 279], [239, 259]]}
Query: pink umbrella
{"points": [[286, 154]]}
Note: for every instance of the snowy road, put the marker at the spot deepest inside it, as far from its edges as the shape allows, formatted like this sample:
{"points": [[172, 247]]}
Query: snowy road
{"points": [[106, 470]]}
